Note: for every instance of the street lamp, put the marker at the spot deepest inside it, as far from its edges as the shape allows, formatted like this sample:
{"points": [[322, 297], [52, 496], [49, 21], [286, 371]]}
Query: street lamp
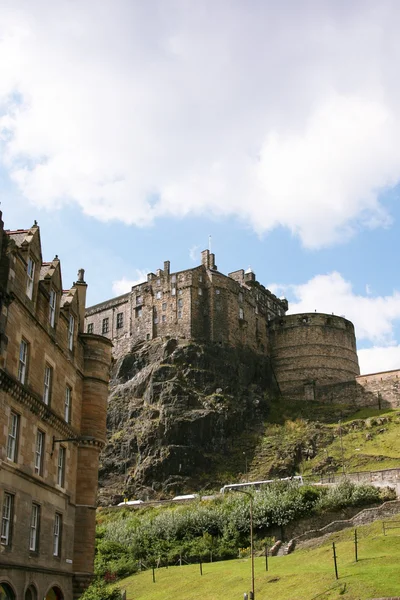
{"points": [[252, 597]]}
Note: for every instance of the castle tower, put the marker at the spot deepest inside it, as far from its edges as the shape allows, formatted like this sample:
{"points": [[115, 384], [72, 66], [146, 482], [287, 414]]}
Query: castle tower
{"points": [[312, 349]]}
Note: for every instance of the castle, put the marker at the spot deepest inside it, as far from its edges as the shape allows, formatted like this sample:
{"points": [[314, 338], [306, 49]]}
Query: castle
{"points": [[53, 399], [307, 351]]}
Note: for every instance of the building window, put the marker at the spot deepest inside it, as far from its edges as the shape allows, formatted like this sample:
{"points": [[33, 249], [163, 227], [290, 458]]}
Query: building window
{"points": [[240, 296], [57, 535], [158, 295], [71, 327], [120, 320], [155, 320], [7, 519], [180, 292], [30, 273], [179, 314], [164, 306], [105, 326], [23, 361], [90, 328], [12, 441], [163, 318], [241, 313], [61, 466], [217, 291], [173, 291], [52, 307], [67, 404], [139, 300], [48, 377], [200, 278], [39, 452], [34, 529], [200, 291], [173, 278], [158, 281], [180, 303], [138, 313]]}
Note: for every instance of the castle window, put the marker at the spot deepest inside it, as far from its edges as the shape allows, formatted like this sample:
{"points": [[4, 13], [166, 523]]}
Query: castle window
{"points": [[240, 296], [39, 452], [34, 529], [23, 361], [180, 303], [106, 325], [120, 320], [179, 314], [173, 278], [30, 274], [12, 441], [158, 281], [180, 292], [61, 466], [52, 307], [158, 295], [48, 377], [139, 300], [7, 519], [138, 313], [200, 290], [164, 306], [155, 320], [147, 336], [163, 318], [67, 404], [256, 310], [217, 291], [241, 313], [173, 291], [200, 278], [57, 535], [71, 327], [90, 328]]}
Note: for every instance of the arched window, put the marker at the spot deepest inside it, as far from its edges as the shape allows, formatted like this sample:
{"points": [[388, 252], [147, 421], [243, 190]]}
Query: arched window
{"points": [[6, 592], [54, 594], [31, 593]]}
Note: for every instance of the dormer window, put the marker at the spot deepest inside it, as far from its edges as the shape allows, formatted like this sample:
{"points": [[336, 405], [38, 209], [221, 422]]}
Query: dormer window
{"points": [[52, 307], [30, 272], [71, 327]]}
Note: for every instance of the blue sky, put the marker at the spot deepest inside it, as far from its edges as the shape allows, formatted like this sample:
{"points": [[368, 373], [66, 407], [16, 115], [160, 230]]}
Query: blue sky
{"points": [[132, 131]]}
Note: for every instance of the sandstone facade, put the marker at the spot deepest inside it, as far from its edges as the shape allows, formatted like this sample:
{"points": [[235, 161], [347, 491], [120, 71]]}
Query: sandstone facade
{"points": [[53, 395]]}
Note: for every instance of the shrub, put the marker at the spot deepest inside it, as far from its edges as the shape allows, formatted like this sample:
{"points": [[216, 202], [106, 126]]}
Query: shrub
{"points": [[100, 591]]}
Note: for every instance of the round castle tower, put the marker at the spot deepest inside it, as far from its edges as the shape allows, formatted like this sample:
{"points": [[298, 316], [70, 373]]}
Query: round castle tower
{"points": [[312, 349]]}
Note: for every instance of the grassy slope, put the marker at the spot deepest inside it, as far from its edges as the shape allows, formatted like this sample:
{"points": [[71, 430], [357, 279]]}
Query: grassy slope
{"points": [[306, 574]]}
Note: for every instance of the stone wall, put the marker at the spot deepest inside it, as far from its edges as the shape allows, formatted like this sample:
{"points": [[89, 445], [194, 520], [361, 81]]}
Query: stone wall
{"points": [[312, 347], [200, 304]]}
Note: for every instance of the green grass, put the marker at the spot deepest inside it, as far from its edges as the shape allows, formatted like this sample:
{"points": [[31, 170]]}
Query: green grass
{"points": [[306, 574]]}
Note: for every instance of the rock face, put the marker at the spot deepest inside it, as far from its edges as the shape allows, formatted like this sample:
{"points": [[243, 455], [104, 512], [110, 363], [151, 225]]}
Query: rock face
{"points": [[181, 415]]}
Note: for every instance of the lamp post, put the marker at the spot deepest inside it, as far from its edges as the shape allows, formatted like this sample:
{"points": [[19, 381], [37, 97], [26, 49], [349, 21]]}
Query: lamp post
{"points": [[245, 462], [252, 597], [341, 447]]}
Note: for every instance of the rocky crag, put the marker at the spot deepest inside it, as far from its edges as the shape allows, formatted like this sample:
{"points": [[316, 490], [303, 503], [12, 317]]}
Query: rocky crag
{"points": [[182, 416]]}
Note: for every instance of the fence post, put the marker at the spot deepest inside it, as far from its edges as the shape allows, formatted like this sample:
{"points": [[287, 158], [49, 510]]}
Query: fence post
{"points": [[154, 575], [334, 560], [180, 558], [356, 544], [266, 558], [383, 527], [201, 568]]}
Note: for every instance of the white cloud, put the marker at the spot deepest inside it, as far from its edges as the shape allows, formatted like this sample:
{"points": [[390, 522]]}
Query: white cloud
{"points": [[124, 285], [194, 253], [140, 110], [374, 317], [379, 358]]}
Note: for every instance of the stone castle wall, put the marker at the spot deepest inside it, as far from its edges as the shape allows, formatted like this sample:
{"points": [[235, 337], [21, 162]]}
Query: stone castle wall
{"points": [[312, 348], [199, 303]]}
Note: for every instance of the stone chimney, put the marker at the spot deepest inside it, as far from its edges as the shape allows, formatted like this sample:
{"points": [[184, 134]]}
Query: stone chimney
{"points": [[167, 265], [81, 287], [205, 258]]}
